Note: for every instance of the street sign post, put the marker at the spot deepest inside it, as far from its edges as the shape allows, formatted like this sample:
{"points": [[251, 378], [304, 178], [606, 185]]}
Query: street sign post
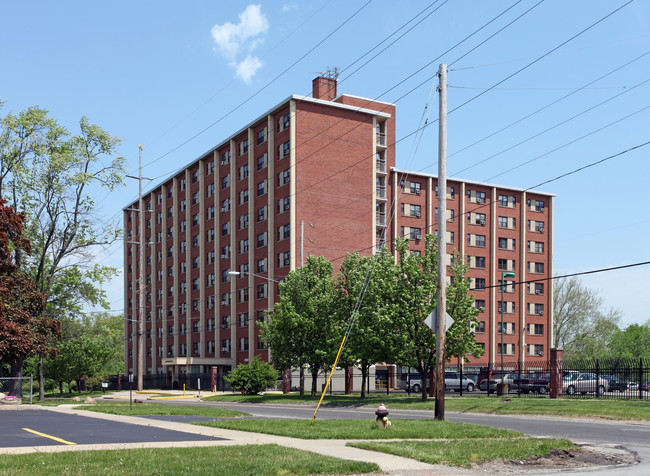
{"points": [[432, 320]]}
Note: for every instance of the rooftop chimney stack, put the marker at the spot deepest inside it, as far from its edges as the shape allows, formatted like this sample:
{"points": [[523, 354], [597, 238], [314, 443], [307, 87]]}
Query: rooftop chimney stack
{"points": [[324, 86]]}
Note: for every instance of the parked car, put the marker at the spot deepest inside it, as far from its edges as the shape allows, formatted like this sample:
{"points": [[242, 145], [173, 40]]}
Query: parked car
{"points": [[539, 383], [454, 382], [645, 386], [615, 383], [576, 382], [489, 379], [633, 386], [514, 380]]}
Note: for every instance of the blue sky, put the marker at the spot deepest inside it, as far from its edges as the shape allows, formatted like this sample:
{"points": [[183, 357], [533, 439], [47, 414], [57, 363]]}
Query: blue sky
{"points": [[180, 77]]}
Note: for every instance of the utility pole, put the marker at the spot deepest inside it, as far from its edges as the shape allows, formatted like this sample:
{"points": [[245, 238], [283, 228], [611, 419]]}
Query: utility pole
{"points": [[442, 245], [143, 250]]}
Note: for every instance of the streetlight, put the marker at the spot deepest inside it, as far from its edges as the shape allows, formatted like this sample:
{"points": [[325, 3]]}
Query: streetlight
{"points": [[503, 277]]}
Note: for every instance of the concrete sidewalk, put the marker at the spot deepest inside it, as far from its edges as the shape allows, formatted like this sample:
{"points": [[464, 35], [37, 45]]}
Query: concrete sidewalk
{"points": [[336, 448]]}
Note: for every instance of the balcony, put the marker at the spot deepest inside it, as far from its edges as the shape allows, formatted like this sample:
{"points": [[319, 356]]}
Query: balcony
{"points": [[381, 192], [381, 166], [381, 219], [381, 139]]}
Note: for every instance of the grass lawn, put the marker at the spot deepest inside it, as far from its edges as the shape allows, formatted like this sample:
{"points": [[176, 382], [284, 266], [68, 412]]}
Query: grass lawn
{"points": [[230, 460], [466, 452], [364, 429], [612, 409], [122, 408]]}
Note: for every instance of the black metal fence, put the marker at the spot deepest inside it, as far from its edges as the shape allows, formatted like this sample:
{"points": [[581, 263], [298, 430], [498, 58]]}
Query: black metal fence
{"points": [[194, 381]]}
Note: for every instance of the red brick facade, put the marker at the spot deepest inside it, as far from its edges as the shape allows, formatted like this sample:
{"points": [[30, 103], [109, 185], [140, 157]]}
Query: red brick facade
{"points": [[327, 163]]}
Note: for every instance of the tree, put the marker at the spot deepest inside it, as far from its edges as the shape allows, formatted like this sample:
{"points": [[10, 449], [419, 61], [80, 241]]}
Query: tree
{"points": [[575, 307], [253, 377], [415, 298], [460, 341], [631, 343], [49, 173], [301, 328], [22, 329], [364, 289]]}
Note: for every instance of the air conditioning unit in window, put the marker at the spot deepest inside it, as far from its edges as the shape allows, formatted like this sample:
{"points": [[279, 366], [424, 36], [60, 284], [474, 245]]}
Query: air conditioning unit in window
{"points": [[224, 256], [539, 352], [417, 214], [224, 303], [540, 313], [541, 209], [223, 210], [223, 162], [418, 237], [224, 349], [418, 192], [537, 291], [287, 262], [482, 222], [541, 229], [225, 326], [260, 295]]}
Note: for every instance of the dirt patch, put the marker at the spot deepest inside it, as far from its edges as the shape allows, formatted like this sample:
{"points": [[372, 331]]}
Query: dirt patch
{"points": [[584, 457]]}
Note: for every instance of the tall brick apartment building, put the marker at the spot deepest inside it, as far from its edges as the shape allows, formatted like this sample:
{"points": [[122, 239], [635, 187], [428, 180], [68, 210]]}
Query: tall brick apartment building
{"points": [[314, 174]]}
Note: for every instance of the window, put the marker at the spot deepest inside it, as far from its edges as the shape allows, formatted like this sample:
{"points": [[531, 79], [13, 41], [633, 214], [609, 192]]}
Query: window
{"points": [[538, 309], [479, 283], [170, 192], [284, 150], [183, 226], [195, 176], [284, 259], [225, 229], [225, 276], [195, 220], [225, 252], [503, 200], [261, 162], [261, 240], [261, 188], [210, 235], [415, 187], [284, 232], [225, 158], [210, 212], [284, 177], [261, 214], [535, 288], [535, 267], [243, 172], [209, 168], [477, 197], [479, 262], [476, 219], [243, 319], [243, 221], [183, 247], [195, 198], [262, 291], [225, 205], [261, 345], [415, 233], [480, 327], [283, 122], [509, 349], [415, 211], [243, 197], [243, 344], [480, 304], [261, 265], [243, 246], [195, 308], [476, 240], [243, 295], [195, 262], [210, 279], [170, 212], [182, 205], [209, 304], [225, 182], [261, 136], [195, 284], [181, 184], [536, 329], [509, 328], [284, 205], [243, 147]]}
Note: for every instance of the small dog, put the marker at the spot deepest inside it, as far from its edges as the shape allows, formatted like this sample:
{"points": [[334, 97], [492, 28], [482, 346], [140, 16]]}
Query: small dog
{"points": [[384, 423]]}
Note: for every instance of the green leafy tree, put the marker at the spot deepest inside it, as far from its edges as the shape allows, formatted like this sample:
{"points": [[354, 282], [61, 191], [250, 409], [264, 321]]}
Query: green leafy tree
{"points": [[364, 291], [50, 174], [460, 341], [633, 342], [253, 377], [301, 329], [595, 342], [415, 298]]}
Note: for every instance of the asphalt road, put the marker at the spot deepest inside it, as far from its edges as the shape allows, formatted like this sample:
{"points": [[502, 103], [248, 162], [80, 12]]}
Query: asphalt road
{"points": [[45, 428]]}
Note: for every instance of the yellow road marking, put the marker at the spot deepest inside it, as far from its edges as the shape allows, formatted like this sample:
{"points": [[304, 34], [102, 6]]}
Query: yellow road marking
{"points": [[49, 436]]}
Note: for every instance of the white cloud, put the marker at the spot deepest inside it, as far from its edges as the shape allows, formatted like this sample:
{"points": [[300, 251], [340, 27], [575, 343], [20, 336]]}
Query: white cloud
{"points": [[289, 6], [234, 41], [247, 68]]}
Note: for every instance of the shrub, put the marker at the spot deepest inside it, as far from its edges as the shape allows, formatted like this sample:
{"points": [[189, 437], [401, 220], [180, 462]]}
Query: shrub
{"points": [[252, 378]]}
